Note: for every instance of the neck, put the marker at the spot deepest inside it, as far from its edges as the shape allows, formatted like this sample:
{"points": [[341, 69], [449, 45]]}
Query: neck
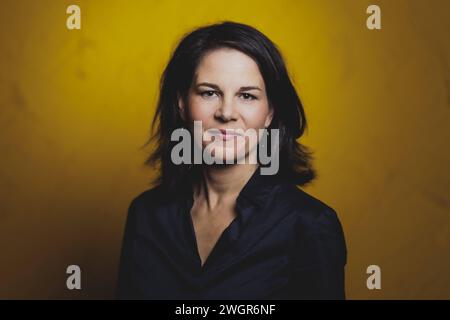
{"points": [[223, 183]]}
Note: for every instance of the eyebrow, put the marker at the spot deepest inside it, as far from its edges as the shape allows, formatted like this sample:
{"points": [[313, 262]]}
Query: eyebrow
{"points": [[215, 86]]}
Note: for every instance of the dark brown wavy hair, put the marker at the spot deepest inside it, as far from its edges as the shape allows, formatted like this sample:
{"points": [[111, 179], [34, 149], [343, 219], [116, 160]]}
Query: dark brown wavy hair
{"points": [[289, 116]]}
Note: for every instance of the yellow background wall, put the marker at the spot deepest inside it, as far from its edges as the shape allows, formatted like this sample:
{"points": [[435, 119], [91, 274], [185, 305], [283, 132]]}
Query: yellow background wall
{"points": [[75, 106]]}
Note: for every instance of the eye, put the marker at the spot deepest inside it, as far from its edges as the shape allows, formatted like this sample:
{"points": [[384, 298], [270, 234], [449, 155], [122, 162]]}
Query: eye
{"points": [[208, 93], [248, 96]]}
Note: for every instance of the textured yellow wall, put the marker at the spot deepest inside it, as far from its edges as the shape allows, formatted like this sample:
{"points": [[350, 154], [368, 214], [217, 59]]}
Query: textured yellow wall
{"points": [[75, 107]]}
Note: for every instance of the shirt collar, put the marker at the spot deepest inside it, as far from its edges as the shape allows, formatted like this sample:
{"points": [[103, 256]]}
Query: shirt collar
{"points": [[254, 191], [257, 189], [250, 204], [254, 195]]}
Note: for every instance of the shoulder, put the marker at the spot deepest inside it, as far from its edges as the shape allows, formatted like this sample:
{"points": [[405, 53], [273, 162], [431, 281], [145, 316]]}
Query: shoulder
{"points": [[147, 203], [148, 198], [316, 223], [307, 208], [150, 210]]}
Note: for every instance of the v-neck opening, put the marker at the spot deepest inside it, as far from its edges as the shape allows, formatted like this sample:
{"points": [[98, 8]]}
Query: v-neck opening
{"points": [[203, 267], [255, 191]]}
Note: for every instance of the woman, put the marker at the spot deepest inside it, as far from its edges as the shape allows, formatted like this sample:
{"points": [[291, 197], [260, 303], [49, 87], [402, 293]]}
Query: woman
{"points": [[227, 230]]}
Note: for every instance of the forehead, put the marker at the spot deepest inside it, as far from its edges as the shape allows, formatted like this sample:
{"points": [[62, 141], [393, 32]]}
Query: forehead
{"points": [[228, 67]]}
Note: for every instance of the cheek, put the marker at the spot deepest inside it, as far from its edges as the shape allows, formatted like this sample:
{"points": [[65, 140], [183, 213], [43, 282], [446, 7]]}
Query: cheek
{"points": [[200, 110], [255, 117]]}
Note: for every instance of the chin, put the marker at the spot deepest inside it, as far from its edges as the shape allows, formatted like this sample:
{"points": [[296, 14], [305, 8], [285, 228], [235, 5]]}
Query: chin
{"points": [[230, 155]]}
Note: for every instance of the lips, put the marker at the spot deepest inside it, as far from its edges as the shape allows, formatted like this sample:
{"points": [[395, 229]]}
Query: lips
{"points": [[227, 134]]}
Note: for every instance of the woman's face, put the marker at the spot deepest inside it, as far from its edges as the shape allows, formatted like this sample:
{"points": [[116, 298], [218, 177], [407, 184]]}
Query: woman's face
{"points": [[227, 92]]}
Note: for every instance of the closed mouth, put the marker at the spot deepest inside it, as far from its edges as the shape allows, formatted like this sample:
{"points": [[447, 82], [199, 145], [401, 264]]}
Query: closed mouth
{"points": [[225, 134]]}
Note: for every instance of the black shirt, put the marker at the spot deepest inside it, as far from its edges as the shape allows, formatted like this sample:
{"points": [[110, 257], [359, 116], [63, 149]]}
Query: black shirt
{"points": [[283, 244]]}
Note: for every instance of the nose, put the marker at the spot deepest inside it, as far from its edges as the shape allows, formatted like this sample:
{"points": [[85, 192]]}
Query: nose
{"points": [[226, 110]]}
